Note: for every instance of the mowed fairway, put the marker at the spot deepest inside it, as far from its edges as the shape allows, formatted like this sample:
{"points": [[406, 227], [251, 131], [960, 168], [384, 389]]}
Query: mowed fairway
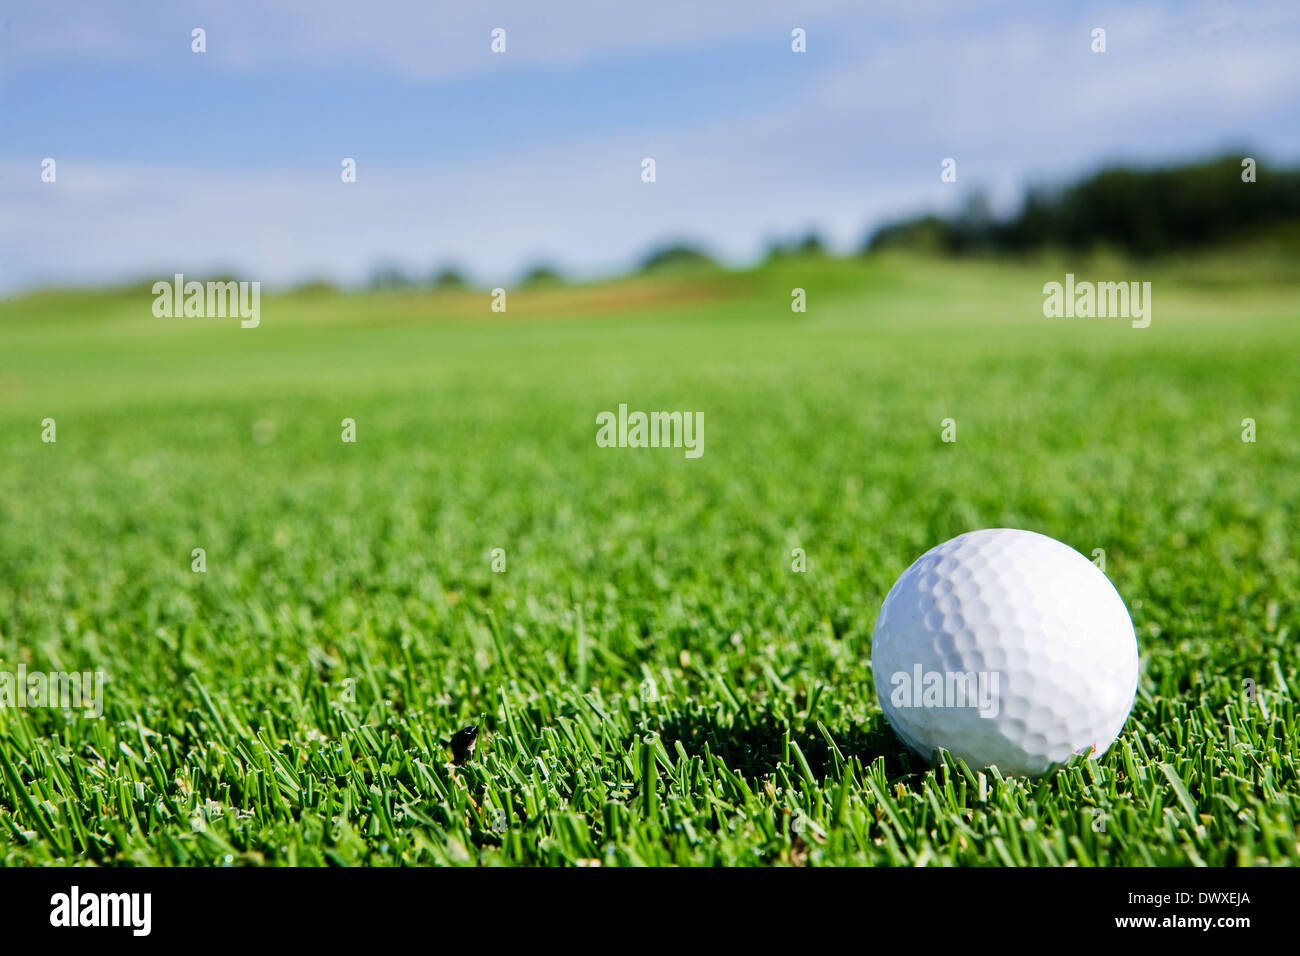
{"points": [[652, 681]]}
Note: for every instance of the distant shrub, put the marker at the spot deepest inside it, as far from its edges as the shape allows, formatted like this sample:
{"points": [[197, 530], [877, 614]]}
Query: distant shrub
{"points": [[389, 278], [810, 245], [542, 275], [925, 234], [676, 256], [448, 277], [1139, 211]]}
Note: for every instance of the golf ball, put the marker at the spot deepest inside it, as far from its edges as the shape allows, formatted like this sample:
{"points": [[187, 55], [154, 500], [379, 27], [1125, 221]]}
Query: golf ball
{"points": [[1007, 648]]}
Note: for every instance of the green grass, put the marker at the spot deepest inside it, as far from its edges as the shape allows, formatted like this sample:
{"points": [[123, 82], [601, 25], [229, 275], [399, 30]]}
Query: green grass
{"points": [[653, 682]]}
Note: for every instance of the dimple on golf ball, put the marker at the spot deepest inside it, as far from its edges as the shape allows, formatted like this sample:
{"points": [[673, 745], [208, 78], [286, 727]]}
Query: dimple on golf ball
{"points": [[1005, 648]]}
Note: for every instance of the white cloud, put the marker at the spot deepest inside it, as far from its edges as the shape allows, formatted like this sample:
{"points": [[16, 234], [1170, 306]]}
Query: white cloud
{"points": [[1010, 100], [581, 205], [416, 39]]}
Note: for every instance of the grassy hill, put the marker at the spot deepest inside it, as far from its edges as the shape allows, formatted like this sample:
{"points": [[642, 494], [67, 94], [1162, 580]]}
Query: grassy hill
{"points": [[653, 683]]}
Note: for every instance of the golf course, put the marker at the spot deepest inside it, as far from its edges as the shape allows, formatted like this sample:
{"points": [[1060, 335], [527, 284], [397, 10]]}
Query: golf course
{"points": [[668, 658]]}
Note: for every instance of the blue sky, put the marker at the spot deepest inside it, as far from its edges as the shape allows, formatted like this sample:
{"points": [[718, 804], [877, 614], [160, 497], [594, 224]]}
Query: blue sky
{"points": [[171, 161]]}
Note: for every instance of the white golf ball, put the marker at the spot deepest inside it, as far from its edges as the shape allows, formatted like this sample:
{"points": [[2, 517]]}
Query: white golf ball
{"points": [[1006, 648]]}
